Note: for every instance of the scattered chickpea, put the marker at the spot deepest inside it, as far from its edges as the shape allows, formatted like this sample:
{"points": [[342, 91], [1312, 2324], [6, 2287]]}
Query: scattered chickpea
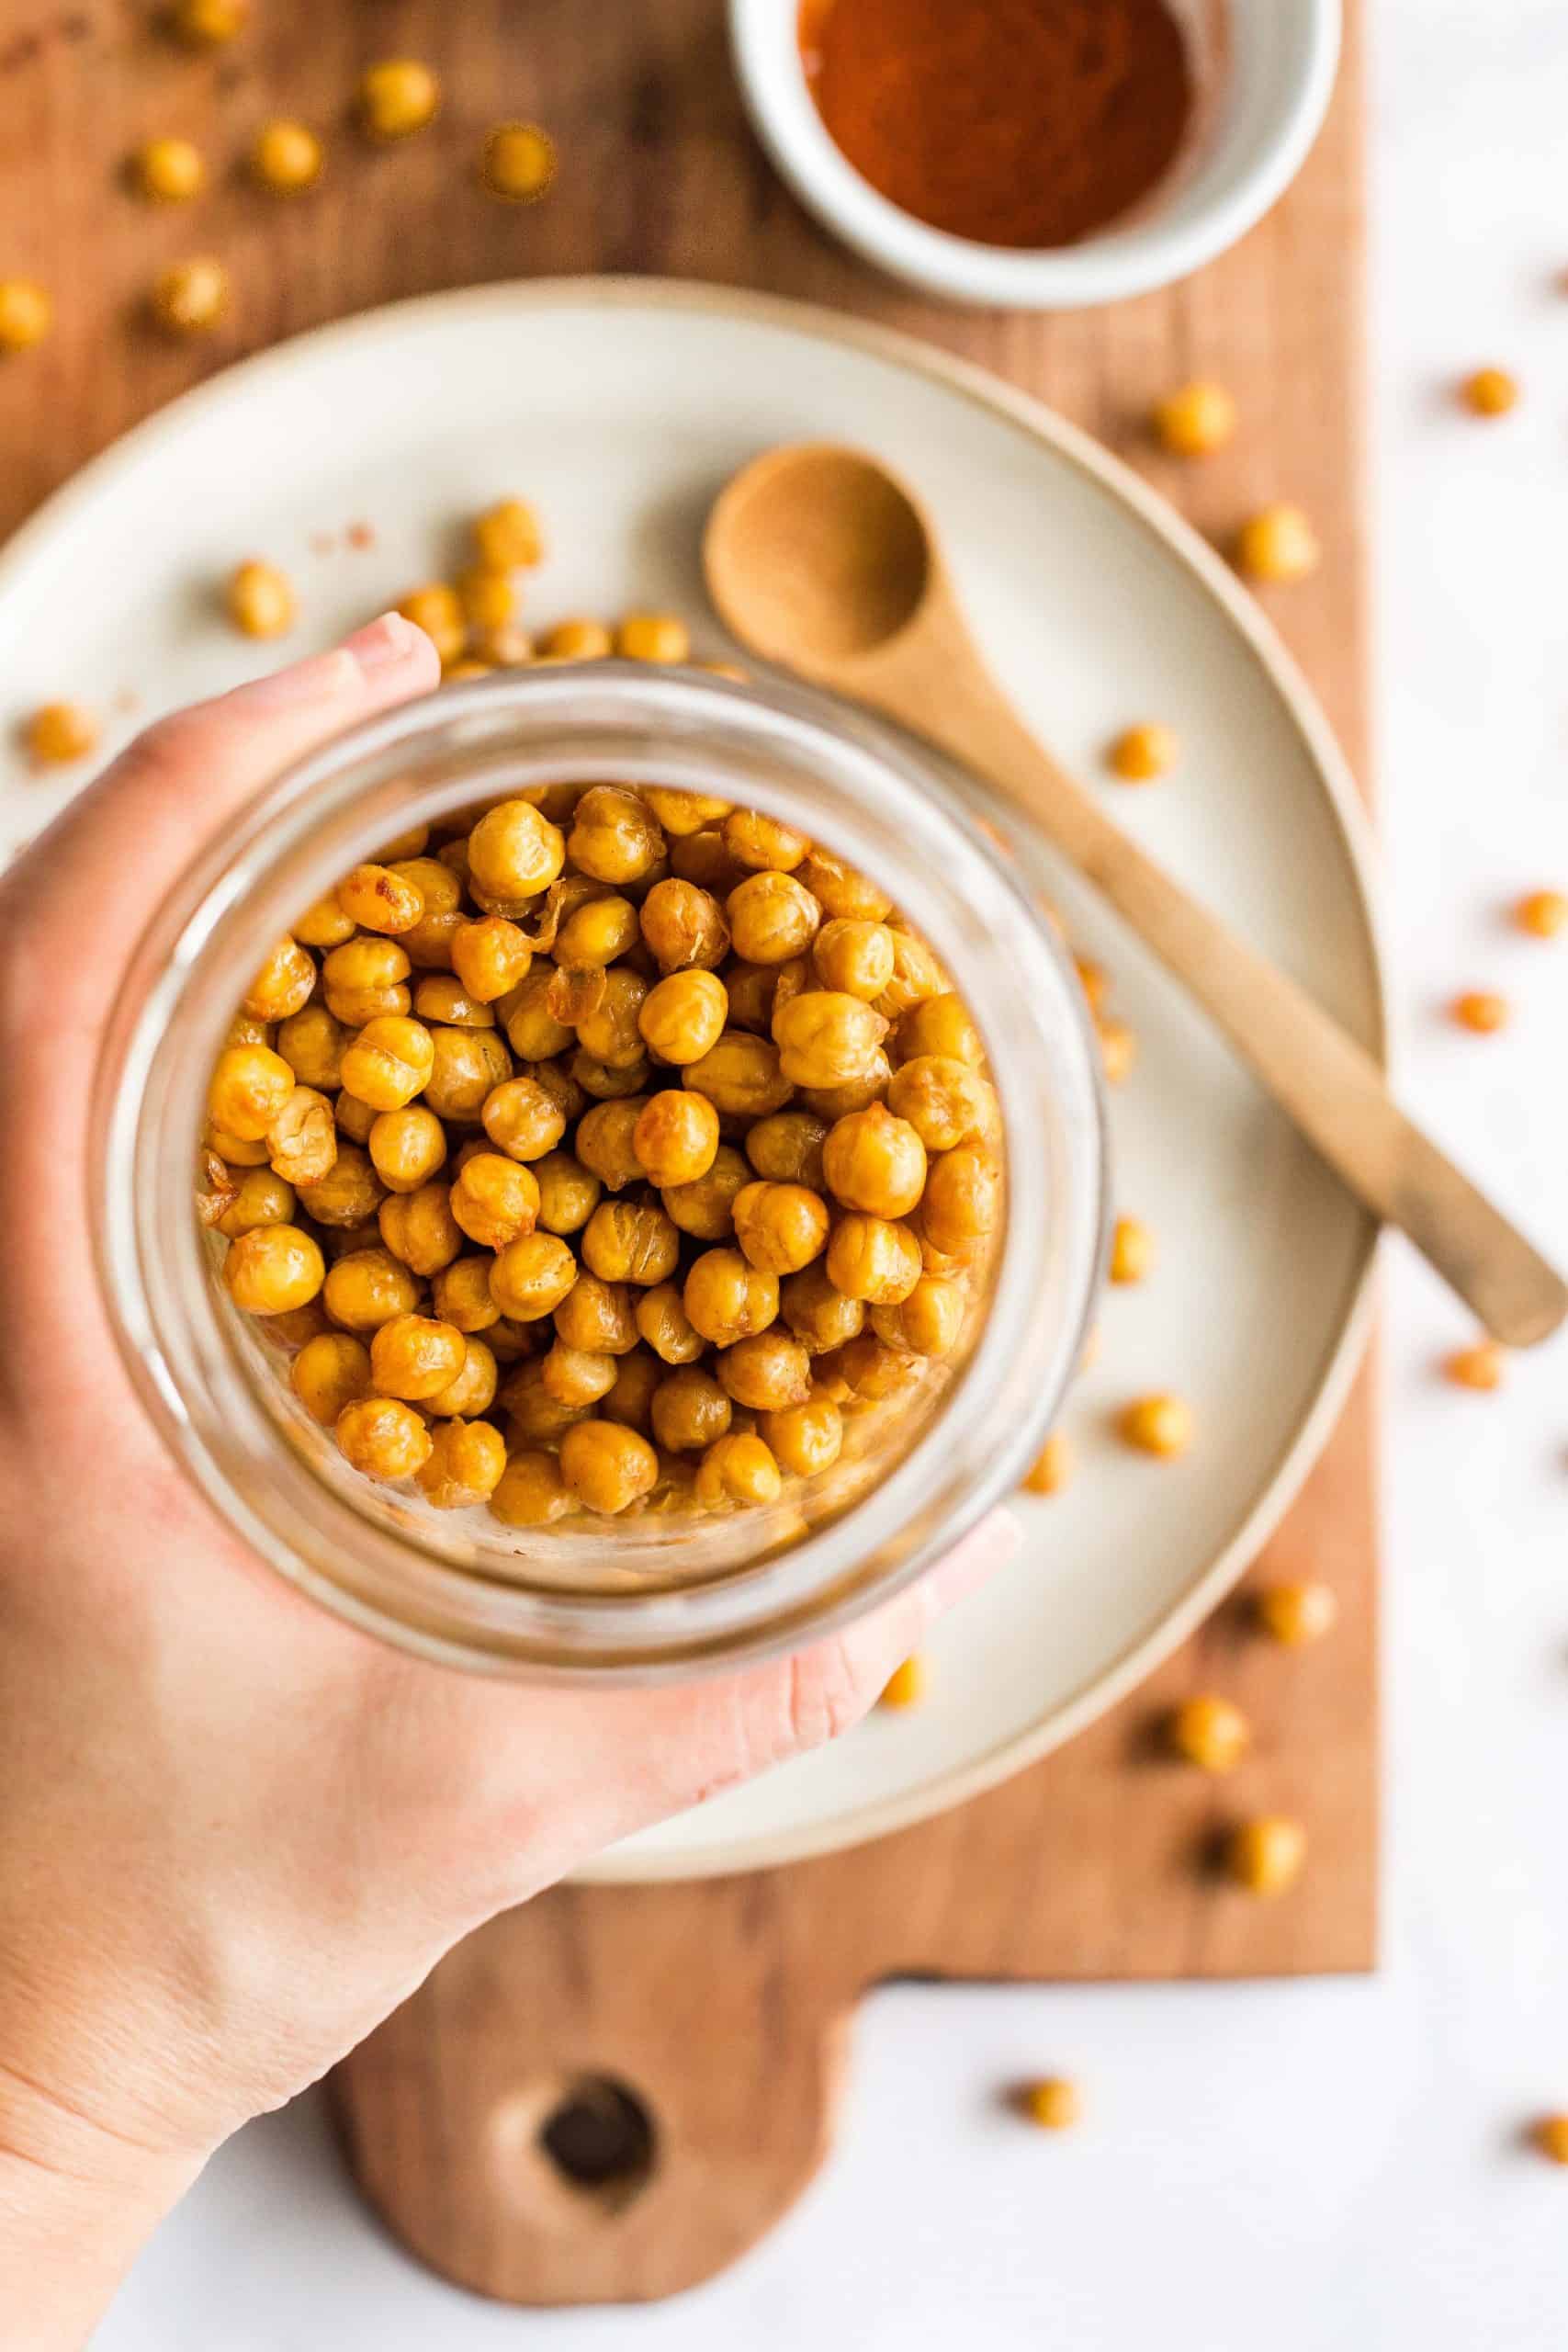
{"points": [[576, 641], [1481, 1010], [287, 156], [189, 296], [507, 537], [1195, 419], [207, 24], [1295, 1614], [907, 1685], [435, 608], [1161, 1425], [518, 162], [1550, 2134], [1053, 2103], [1480, 1365], [1052, 1466], [1490, 392], [1210, 1733], [1266, 1856], [261, 600], [1118, 1048], [1278, 544], [169, 171], [1542, 914], [59, 733], [653, 636], [397, 97], [1143, 753], [27, 313], [1132, 1250]]}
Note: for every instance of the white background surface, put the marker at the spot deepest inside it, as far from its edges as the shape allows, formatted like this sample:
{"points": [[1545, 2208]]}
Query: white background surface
{"points": [[1300, 2165]]}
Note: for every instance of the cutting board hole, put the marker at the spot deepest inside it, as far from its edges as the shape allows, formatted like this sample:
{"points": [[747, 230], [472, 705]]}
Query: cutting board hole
{"points": [[575, 2149]]}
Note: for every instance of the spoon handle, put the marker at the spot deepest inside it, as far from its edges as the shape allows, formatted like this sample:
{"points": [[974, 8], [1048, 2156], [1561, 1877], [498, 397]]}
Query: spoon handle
{"points": [[1331, 1088]]}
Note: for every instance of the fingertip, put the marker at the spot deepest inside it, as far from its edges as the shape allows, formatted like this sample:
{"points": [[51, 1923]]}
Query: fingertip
{"points": [[392, 642]]}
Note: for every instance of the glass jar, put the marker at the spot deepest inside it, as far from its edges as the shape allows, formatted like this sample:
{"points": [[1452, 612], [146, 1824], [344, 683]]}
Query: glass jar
{"points": [[612, 1601]]}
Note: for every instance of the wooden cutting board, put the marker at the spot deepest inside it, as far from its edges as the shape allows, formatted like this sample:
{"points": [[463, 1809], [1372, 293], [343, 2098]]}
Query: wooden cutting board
{"points": [[611, 2094]]}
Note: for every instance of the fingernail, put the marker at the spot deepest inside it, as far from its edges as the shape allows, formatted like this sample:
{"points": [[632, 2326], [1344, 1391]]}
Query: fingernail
{"points": [[383, 644]]}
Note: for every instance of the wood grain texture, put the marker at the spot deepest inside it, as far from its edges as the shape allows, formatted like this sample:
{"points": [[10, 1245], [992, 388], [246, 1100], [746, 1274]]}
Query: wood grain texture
{"points": [[724, 2004]]}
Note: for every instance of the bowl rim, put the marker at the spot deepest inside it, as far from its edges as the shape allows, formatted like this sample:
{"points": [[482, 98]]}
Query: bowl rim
{"points": [[764, 51]]}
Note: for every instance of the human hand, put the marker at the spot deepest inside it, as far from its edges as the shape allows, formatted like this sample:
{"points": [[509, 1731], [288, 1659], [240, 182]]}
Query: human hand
{"points": [[235, 1832]]}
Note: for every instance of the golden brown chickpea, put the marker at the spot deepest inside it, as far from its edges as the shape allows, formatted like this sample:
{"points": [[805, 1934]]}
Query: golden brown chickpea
{"points": [[312, 1043], [604, 1142], [537, 1417], [1266, 1856], [854, 956], [763, 844], [237, 1151], [460, 1294], [676, 1138], [249, 1087], [507, 537], [489, 956], [728, 1300], [685, 812], [1051, 1468], [1548, 2137], [869, 1258], [963, 1199], [841, 889], [576, 1375], [1195, 419], [363, 981], [630, 1241], [805, 1439], [413, 1357], [772, 918], [594, 934], [684, 926], [380, 900], [653, 636], [26, 314], [441, 1001], [780, 1227], [285, 157], [597, 1318], [407, 1146], [1295, 1614], [168, 170], [487, 596], [1161, 1425], [943, 1098], [428, 942], [261, 600], [607, 1085], [188, 297], [468, 1067], [615, 836], [382, 1437], [59, 731], [324, 924], [284, 983], [350, 1190], [508, 1341], [261, 1197], [342, 1240], [330, 1371], [522, 1119], [465, 1465], [531, 1276], [1542, 914], [515, 852], [606, 1465], [246, 1030], [917, 975], [827, 1039], [388, 1062], [786, 1149], [663, 1323], [569, 1192], [768, 1372], [533, 1030], [302, 1143], [706, 1209], [831, 1103], [817, 1312], [1132, 1250], [930, 1322], [397, 97], [1278, 543], [610, 1033], [473, 1390], [1142, 754], [420, 1229], [272, 1268], [576, 641], [869, 1369], [875, 1162], [702, 858], [738, 1469], [939, 1025], [681, 1019], [1209, 1732], [689, 1410], [741, 1076], [494, 1200], [532, 1492]]}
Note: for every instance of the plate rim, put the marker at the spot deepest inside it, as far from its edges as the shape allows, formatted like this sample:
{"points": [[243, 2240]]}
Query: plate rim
{"points": [[1343, 1357]]}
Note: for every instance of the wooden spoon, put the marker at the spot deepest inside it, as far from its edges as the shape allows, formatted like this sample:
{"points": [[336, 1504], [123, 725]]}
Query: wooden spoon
{"points": [[818, 558]]}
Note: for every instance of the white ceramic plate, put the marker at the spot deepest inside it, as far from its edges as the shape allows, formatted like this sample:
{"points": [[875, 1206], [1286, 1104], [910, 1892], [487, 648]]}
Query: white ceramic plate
{"points": [[621, 407]]}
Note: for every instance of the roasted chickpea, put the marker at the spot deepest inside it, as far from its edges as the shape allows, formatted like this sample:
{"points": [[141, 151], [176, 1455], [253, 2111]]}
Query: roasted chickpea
{"points": [[685, 812], [689, 1410], [349, 1192], [380, 900], [872, 1258], [1118, 1047], [684, 926], [301, 1142], [615, 836], [702, 858], [705, 1209], [531, 1492], [58, 732], [593, 935], [465, 1465], [663, 1323], [607, 1085], [249, 1087], [1052, 1466], [285, 157], [569, 1192], [261, 600], [854, 956], [260, 1197], [487, 596], [786, 1149], [875, 1162], [413, 1357], [905, 1686], [606, 1465], [489, 956], [917, 975], [653, 636], [330, 1371], [604, 1142], [382, 1437], [576, 641], [507, 536], [428, 942], [676, 1138], [771, 917], [473, 1390], [681, 1019], [510, 1341], [1209, 1732], [962, 1200], [805, 1439], [767, 1372], [1141, 754], [930, 1322], [441, 1001], [532, 1276], [388, 1062], [1295, 1614], [363, 980], [420, 1229], [467, 1066], [1278, 543], [631, 1241], [532, 1029], [763, 844], [537, 1417], [840, 889], [741, 1076], [738, 1469], [576, 1375], [939, 1025], [1266, 1856], [597, 1317], [943, 1099], [869, 1368], [522, 1119], [827, 1039], [610, 1031], [495, 1200], [284, 982], [188, 297], [312, 1043], [27, 313], [780, 1227], [728, 1300], [235, 1151], [273, 1268], [817, 1312], [1161, 1425], [514, 854], [1195, 419], [1542, 914], [460, 1294], [355, 1120]]}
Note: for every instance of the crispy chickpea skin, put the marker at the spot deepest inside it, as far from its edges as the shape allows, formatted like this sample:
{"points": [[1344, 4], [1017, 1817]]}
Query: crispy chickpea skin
{"points": [[465, 1464], [786, 1149], [407, 1146], [604, 1142], [261, 1197], [682, 1018], [522, 1119], [273, 1268], [596, 1317], [363, 980], [301, 1142], [772, 918], [380, 900], [943, 1098], [330, 1371], [368, 1288], [249, 1087], [284, 983], [738, 1469], [683, 927], [804, 1439], [728, 1300], [767, 1372], [606, 1466], [349, 1192], [631, 1241], [531, 1492], [664, 1325], [261, 600], [690, 1411], [780, 1227], [413, 1357], [930, 1322], [468, 1065], [873, 1259], [609, 1033], [817, 1312], [532, 1276], [489, 956], [494, 1200], [390, 1062], [614, 837], [515, 852], [384, 1439], [826, 1038], [874, 1162], [676, 1137]]}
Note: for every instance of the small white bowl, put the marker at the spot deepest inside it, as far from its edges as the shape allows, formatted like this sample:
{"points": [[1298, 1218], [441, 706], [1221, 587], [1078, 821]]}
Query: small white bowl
{"points": [[1271, 87]]}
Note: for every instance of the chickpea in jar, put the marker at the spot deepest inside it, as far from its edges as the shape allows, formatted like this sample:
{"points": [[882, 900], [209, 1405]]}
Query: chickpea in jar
{"points": [[495, 1200], [615, 836], [738, 1469], [676, 1137], [631, 1241], [826, 1038], [682, 1017], [726, 1299], [875, 1162], [465, 1464], [382, 1437], [597, 1317], [606, 1466], [683, 927], [663, 1325], [705, 1209], [690, 1411], [780, 1227]]}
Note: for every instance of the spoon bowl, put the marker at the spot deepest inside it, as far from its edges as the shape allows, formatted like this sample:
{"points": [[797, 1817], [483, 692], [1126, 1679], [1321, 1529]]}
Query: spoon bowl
{"points": [[815, 555]]}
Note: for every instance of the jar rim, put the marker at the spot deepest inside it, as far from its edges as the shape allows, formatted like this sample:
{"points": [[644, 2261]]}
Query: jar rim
{"points": [[967, 876]]}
